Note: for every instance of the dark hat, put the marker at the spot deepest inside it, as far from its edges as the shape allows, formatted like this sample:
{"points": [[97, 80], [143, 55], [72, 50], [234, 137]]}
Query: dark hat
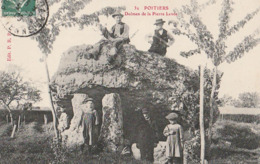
{"points": [[172, 116], [159, 21], [117, 13], [145, 111], [88, 99]]}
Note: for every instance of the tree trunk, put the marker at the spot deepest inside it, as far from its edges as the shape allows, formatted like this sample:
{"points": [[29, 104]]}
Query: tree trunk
{"points": [[202, 130], [54, 115], [10, 113], [212, 99]]}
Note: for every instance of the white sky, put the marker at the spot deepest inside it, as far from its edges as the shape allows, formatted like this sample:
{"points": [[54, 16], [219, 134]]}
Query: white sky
{"points": [[243, 75]]}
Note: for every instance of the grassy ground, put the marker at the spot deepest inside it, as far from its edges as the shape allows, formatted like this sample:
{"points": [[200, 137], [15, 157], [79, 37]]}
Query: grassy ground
{"points": [[236, 143], [32, 144]]}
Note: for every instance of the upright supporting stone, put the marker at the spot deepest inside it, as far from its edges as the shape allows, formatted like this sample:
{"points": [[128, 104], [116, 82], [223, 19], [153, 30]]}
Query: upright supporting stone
{"points": [[111, 134], [73, 137]]}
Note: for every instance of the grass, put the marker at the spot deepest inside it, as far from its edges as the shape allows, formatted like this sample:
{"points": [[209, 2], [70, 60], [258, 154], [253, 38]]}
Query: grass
{"points": [[32, 144], [33, 141], [241, 143], [28, 146]]}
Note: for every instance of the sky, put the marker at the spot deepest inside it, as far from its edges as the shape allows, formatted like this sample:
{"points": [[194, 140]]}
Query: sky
{"points": [[240, 76]]}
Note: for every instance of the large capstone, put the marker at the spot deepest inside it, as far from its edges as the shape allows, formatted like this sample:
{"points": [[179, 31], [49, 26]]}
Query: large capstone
{"points": [[111, 133]]}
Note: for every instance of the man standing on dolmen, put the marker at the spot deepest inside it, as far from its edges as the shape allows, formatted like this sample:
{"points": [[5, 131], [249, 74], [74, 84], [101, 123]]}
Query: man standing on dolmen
{"points": [[161, 39]]}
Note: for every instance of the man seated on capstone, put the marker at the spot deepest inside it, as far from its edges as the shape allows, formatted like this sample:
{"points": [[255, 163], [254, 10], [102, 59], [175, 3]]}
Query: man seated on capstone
{"points": [[119, 35]]}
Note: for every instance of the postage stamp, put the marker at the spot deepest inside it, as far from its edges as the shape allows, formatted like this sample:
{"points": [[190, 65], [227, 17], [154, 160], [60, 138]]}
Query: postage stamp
{"points": [[18, 8], [24, 18]]}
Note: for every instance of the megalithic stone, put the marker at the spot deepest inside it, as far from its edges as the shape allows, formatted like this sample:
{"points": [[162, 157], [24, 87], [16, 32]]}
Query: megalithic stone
{"points": [[73, 137], [111, 133]]}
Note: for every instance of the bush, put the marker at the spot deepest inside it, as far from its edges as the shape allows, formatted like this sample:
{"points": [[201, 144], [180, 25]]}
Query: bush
{"points": [[240, 135]]}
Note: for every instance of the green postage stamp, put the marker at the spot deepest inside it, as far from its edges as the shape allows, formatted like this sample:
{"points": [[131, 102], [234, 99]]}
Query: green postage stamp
{"points": [[18, 8]]}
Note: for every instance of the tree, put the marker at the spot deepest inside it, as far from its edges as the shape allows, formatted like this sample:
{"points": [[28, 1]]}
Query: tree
{"points": [[226, 100], [65, 16], [216, 50], [14, 89], [248, 100]]}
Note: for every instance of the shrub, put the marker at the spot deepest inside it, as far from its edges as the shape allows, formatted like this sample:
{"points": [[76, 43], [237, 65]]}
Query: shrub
{"points": [[240, 135]]}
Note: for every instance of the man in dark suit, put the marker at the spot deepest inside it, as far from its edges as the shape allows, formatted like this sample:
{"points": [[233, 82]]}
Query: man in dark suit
{"points": [[161, 39], [147, 136]]}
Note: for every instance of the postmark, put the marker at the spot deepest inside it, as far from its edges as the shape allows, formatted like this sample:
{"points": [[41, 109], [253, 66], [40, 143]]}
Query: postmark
{"points": [[24, 18]]}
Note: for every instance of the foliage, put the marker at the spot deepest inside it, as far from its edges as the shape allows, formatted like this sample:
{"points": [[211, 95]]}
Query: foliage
{"points": [[14, 88], [246, 118], [186, 97], [226, 100], [215, 49], [240, 135], [198, 33], [66, 16], [248, 100], [192, 149], [59, 152]]}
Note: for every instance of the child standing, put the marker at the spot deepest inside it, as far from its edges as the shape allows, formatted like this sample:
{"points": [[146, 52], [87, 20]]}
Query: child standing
{"points": [[174, 143], [89, 120]]}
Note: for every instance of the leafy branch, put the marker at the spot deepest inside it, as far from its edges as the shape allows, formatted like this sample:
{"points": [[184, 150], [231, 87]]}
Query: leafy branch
{"points": [[66, 16]]}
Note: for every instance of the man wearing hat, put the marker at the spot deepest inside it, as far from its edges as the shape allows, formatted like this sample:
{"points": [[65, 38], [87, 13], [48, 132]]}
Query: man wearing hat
{"points": [[161, 39], [119, 32], [119, 35], [174, 142], [88, 121], [147, 136]]}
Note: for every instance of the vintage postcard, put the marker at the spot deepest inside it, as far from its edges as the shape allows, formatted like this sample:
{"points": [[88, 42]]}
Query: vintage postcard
{"points": [[130, 81]]}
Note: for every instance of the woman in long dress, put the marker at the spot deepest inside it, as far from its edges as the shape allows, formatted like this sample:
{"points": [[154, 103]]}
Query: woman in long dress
{"points": [[174, 142]]}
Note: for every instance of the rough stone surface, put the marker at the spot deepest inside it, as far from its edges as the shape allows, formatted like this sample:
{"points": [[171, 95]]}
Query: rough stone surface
{"points": [[131, 69], [111, 133], [63, 122], [73, 137]]}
